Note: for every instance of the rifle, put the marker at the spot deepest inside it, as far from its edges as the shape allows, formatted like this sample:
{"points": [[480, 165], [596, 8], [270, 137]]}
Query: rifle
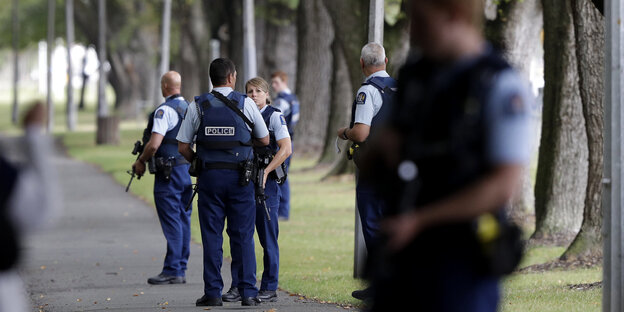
{"points": [[137, 150], [261, 163]]}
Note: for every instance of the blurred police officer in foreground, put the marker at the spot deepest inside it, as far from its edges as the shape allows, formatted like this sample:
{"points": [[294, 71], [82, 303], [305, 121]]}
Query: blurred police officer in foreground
{"points": [[267, 226], [368, 111], [172, 183], [227, 124], [288, 104], [29, 201], [456, 145]]}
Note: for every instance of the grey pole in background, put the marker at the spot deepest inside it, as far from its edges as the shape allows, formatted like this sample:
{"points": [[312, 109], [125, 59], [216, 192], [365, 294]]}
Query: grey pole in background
{"points": [[215, 53], [375, 34], [164, 46], [249, 41], [50, 42], [102, 107], [14, 38], [613, 193], [69, 22]]}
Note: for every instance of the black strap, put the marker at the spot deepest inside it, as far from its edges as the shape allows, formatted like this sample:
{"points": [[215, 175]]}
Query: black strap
{"points": [[233, 107], [222, 145], [222, 165], [169, 141]]}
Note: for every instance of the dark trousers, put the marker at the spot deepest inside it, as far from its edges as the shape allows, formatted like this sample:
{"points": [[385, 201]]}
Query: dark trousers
{"points": [[446, 285], [221, 197], [284, 204], [268, 232], [370, 206], [171, 198]]}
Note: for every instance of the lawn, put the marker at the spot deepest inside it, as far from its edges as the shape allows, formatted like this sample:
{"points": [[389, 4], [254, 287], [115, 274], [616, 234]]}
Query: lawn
{"points": [[316, 244]]}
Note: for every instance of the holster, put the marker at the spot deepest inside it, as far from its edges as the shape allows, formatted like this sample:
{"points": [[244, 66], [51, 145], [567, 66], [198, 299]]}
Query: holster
{"points": [[246, 172]]}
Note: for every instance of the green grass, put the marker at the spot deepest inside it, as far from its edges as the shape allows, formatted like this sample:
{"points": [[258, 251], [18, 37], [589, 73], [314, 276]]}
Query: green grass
{"points": [[316, 244]]}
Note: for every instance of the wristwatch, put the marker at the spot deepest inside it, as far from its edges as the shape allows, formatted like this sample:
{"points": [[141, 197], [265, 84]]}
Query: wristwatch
{"points": [[344, 134]]}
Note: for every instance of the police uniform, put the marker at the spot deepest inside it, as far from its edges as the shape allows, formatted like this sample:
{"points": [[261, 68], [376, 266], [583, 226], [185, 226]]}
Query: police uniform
{"points": [[268, 230], [288, 104], [459, 121], [171, 195], [224, 140], [370, 108]]}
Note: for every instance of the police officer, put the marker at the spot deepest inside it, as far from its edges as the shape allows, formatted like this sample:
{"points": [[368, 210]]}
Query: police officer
{"points": [[457, 142], [172, 182], [288, 104], [367, 112], [226, 124], [267, 227]]}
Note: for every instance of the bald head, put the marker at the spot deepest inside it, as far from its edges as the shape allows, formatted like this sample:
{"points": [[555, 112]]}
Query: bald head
{"points": [[170, 83]]}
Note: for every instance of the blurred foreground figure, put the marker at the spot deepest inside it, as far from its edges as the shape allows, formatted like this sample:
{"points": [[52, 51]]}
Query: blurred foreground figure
{"points": [[28, 201], [450, 158]]}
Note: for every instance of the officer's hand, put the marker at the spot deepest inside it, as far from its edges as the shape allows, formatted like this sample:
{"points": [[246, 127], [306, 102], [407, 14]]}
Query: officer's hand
{"points": [[139, 168], [264, 179], [340, 133], [401, 230]]}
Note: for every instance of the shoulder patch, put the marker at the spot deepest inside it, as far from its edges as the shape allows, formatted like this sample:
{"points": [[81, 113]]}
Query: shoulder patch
{"points": [[283, 120], [159, 114], [361, 98]]}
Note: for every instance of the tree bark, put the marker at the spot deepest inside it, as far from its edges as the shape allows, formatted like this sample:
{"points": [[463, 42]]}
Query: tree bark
{"points": [[516, 30], [562, 167], [132, 50], [277, 41], [193, 61], [314, 35], [340, 107], [590, 46]]}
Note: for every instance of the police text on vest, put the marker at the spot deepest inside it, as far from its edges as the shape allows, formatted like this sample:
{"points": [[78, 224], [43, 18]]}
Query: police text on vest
{"points": [[220, 131]]}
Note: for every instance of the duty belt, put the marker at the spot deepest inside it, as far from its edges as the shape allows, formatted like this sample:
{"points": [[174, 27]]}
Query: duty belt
{"points": [[221, 165]]}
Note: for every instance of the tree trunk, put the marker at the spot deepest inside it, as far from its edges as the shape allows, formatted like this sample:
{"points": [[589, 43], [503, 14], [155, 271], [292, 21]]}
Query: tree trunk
{"points": [[562, 167], [193, 61], [277, 41], [314, 60], [132, 50], [590, 45], [516, 30], [340, 110]]}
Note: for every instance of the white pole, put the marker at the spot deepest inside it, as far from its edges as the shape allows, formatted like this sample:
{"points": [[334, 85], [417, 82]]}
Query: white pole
{"points": [[102, 110], [50, 102], [376, 21], [71, 108], [249, 41], [613, 194], [215, 53], [164, 48]]}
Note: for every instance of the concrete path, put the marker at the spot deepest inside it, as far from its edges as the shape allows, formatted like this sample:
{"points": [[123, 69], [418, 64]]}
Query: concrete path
{"points": [[100, 254]]}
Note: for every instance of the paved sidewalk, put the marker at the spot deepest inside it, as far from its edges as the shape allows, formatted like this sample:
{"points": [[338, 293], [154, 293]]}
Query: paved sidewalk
{"points": [[105, 247]]}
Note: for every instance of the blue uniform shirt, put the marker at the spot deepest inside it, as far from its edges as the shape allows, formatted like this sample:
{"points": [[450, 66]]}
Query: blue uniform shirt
{"points": [[368, 100], [508, 120]]}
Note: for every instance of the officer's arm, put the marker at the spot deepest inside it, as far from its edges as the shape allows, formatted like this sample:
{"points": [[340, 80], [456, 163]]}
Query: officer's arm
{"points": [[151, 146], [359, 132], [261, 141], [186, 151], [486, 195], [285, 149]]}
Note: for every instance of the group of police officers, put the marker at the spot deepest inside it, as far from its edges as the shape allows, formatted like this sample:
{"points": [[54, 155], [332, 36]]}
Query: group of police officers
{"points": [[230, 131], [436, 152]]}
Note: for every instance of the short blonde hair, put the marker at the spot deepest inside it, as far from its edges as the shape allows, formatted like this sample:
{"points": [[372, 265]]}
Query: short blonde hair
{"points": [[260, 84]]}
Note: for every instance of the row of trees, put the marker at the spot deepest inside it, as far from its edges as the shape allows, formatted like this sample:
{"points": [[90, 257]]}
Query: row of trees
{"points": [[317, 42]]}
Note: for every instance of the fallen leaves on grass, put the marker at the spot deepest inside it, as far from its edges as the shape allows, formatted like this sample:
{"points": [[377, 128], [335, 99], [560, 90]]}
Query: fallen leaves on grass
{"points": [[586, 286]]}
